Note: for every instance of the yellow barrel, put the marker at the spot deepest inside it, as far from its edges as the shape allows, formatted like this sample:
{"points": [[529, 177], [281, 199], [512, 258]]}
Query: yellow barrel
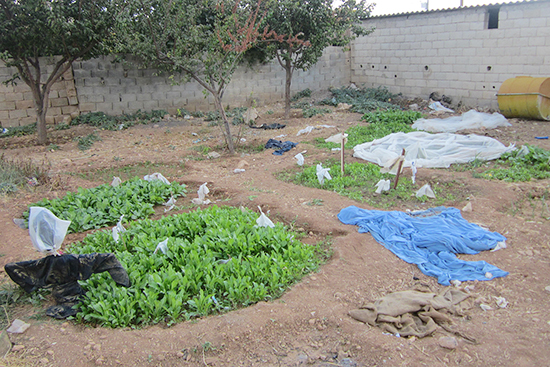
{"points": [[525, 96]]}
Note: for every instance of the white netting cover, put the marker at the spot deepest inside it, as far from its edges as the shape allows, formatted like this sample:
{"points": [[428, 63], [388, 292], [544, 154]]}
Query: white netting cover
{"points": [[430, 150]]}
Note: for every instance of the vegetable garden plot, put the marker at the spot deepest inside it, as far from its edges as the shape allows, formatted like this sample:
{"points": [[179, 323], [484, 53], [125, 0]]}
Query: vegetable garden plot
{"points": [[104, 205], [216, 260]]}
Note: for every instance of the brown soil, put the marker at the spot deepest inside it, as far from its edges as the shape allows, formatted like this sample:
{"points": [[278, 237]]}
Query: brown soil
{"points": [[309, 324]]}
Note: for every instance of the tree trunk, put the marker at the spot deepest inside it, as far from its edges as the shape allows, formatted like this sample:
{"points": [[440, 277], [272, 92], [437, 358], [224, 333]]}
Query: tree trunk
{"points": [[288, 69], [227, 132], [41, 109]]}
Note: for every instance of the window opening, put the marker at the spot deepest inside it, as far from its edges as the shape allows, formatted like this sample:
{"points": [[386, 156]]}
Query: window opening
{"points": [[492, 22]]}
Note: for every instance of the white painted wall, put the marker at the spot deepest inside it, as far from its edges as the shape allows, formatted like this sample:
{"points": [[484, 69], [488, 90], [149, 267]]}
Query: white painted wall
{"points": [[452, 52]]}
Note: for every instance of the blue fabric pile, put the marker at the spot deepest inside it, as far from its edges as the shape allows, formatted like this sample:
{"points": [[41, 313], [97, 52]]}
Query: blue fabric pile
{"points": [[430, 239], [282, 147]]}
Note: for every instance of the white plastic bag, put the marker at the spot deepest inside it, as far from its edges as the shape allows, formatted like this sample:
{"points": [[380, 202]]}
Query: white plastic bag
{"points": [[171, 203], [300, 159], [425, 190], [202, 192], [156, 176], [162, 246], [47, 232], [382, 185], [414, 170], [337, 138], [263, 220], [322, 173], [116, 181], [119, 228], [437, 106]]}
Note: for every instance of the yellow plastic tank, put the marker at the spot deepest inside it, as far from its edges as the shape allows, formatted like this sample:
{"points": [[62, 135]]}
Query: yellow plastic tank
{"points": [[525, 96]]}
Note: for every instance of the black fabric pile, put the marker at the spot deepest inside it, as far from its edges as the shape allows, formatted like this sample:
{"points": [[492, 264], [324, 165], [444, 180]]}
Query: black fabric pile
{"points": [[62, 274], [282, 147], [273, 126]]}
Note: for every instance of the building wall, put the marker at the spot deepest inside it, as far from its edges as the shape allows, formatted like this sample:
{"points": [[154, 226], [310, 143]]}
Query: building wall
{"points": [[116, 88], [447, 51], [453, 52]]}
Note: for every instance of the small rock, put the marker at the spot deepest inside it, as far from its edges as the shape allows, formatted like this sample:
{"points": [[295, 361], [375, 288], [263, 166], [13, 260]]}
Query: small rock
{"points": [[18, 327], [44, 360], [179, 354], [448, 342], [213, 155], [311, 321], [161, 357], [50, 352], [242, 164], [17, 348], [343, 106], [96, 347]]}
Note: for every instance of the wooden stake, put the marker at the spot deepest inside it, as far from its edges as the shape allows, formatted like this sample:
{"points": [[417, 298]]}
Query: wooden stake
{"points": [[342, 156], [399, 169]]}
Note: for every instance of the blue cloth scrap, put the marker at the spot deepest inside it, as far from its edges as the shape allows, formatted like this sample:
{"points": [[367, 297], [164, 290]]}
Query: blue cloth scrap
{"points": [[283, 147], [430, 239]]}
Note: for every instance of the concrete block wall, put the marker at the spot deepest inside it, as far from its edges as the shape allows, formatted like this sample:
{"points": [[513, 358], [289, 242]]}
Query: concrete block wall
{"points": [[116, 88], [17, 106], [453, 52]]}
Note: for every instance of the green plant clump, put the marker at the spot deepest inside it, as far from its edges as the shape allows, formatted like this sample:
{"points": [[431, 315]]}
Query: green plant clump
{"points": [[362, 99], [529, 162], [18, 131], [104, 205], [103, 121], [302, 94], [216, 260], [313, 111], [86, 142]]}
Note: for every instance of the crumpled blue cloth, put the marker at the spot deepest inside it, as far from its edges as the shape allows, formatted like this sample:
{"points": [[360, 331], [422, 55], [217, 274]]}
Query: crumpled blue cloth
{"points": [[430, 239], [283, 147]]}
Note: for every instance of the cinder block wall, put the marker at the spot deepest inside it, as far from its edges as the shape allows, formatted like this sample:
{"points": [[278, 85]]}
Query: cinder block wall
{"points": [[17, 106], [115, 88], [453, 52]]}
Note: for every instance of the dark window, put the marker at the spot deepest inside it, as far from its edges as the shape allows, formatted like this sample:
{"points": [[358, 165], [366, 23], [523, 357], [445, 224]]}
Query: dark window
{"points": [[493, 18]]}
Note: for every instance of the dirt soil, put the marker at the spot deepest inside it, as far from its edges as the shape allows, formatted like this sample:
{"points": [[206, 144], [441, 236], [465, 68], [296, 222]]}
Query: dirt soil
{"points": [[309, 324]]}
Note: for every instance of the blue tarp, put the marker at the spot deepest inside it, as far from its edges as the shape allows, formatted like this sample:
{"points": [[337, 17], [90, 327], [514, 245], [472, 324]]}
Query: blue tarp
{"points": [[430, 239]]}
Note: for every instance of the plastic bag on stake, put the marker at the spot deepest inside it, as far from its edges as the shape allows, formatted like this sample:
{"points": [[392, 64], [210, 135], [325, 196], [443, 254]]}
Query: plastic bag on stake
{"points": [[119, 228], [47, 232], [263, 220], [322, 173], [425, 190], [202, 192]]}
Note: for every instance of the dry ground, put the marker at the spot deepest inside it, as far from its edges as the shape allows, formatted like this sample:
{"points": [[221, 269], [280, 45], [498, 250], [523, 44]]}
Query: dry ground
{"points": [[309, 324]]}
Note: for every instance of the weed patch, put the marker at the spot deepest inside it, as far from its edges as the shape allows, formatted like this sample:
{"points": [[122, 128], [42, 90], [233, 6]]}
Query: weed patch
{"points": [[86, 142], [362, 100], [103, 121], [16, 174]]}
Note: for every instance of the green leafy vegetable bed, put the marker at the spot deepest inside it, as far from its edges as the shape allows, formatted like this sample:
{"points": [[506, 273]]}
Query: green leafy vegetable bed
{"points": [[217, 260], [380, 124], [359, 180], [104, 205], [520, 165]]}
